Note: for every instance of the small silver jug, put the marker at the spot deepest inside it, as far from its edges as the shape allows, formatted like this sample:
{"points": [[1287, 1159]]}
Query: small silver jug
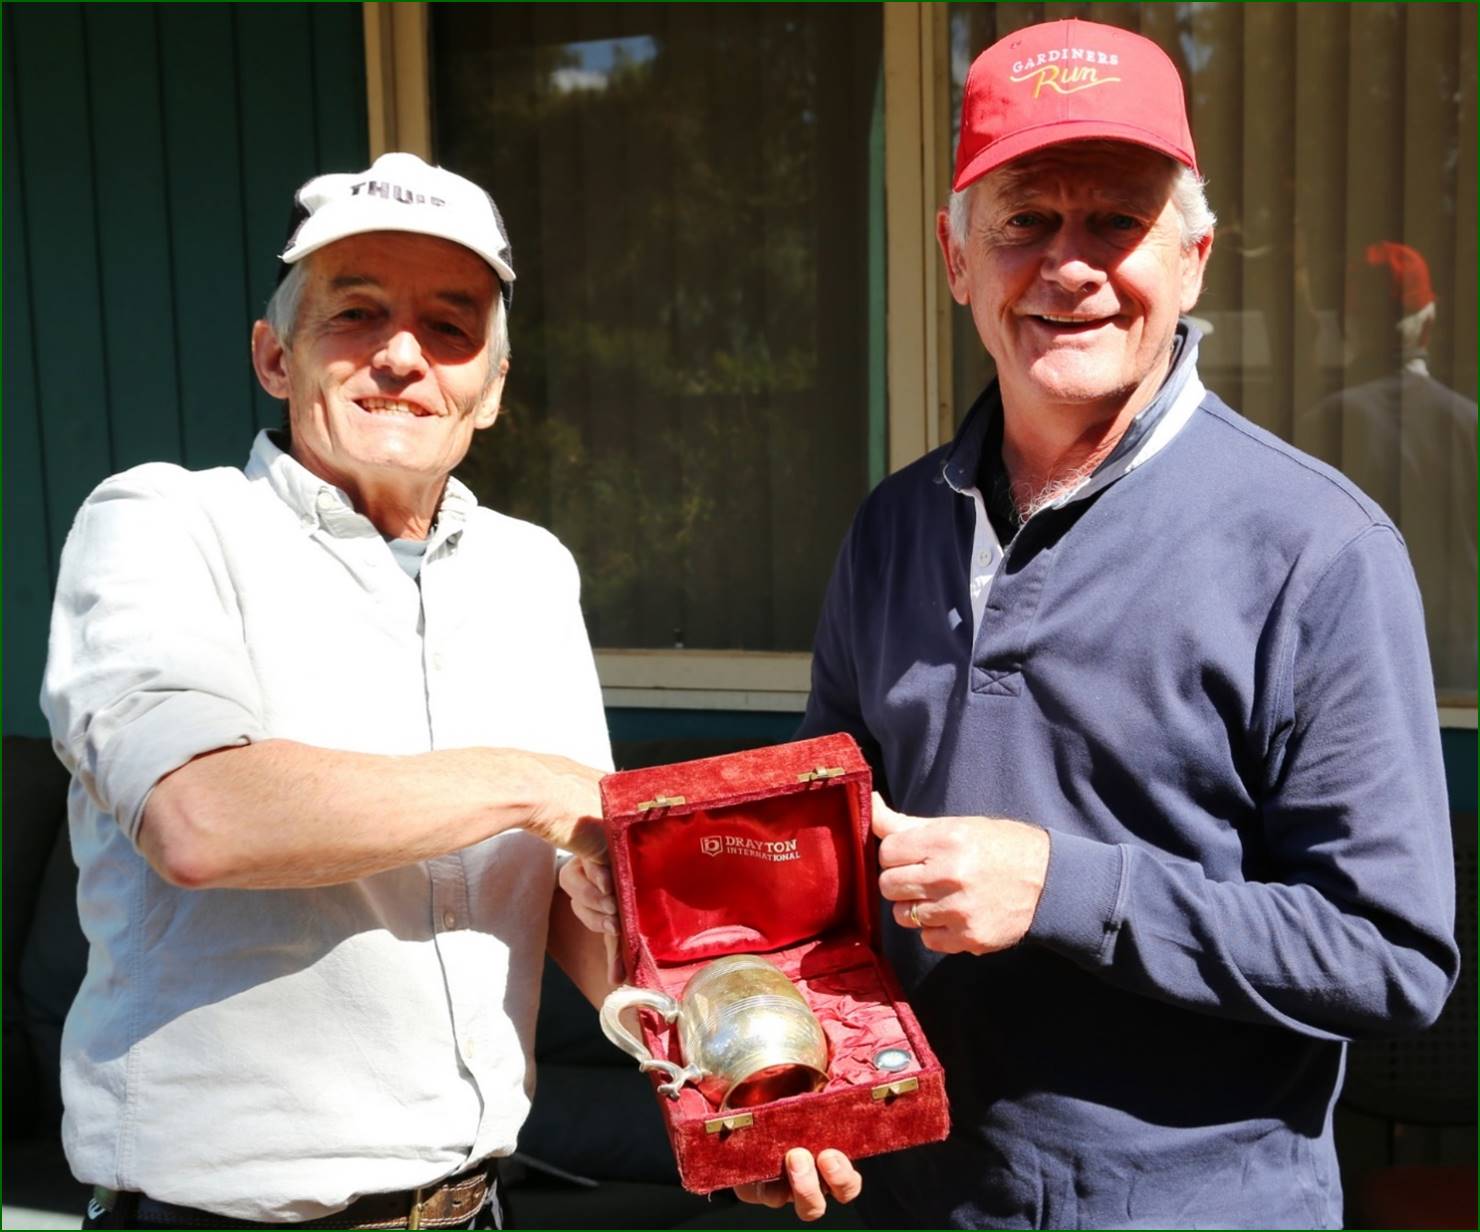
{"points": [[746, 1034]]}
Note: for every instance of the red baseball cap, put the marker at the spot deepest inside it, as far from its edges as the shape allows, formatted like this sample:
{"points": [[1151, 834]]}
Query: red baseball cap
{"points": [[1069, 81], [1407, 274]]}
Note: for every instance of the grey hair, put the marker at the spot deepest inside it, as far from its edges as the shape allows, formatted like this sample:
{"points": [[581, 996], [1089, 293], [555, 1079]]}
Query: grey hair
{"points": [[281, 314], [1189, 195], [282, 306]]}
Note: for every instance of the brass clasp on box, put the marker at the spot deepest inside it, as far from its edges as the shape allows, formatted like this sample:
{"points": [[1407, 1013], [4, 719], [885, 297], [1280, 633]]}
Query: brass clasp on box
{"points": [[728, 1124], [660, 802], [900, 1086], [822, 772]]}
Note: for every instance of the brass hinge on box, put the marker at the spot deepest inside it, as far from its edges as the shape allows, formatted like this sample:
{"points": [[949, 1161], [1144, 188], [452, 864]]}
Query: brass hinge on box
{"points": [[900, 1086], [660, 802], [725, 1124], [822, 772]]}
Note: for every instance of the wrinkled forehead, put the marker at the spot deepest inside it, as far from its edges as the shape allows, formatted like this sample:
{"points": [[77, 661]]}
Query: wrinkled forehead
{"points": [[1112, 171], [403, 263]]}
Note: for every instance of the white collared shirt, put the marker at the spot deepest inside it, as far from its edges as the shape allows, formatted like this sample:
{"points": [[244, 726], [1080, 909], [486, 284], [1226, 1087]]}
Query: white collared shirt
{"points": [[271, 1055]]}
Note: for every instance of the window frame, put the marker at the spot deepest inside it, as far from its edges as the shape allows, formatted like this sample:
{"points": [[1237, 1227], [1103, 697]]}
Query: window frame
{"points": [[917, 324]]}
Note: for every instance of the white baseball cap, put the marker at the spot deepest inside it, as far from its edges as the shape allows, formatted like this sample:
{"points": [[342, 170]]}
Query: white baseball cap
{"points": [[400, 193]]}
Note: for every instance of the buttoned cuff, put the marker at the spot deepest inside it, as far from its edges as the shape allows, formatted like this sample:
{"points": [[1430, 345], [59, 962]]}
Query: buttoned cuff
{"points": [[1080, 910]]}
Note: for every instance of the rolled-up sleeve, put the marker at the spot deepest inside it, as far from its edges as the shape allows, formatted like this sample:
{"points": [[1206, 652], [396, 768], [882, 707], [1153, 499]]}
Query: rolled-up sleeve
{"points": [[147, 665]]}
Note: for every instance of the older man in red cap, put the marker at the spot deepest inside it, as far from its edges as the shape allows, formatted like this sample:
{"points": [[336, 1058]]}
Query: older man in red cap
{"points": [[1150, 692]]}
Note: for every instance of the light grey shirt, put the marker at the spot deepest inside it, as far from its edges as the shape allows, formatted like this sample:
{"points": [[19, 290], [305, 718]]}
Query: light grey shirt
{"points": [[271, 1055]]}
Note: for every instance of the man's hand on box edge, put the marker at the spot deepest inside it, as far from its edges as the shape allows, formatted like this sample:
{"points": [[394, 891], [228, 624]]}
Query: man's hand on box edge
{"points": [[566, 798], [587, 883], [807, 1183]]}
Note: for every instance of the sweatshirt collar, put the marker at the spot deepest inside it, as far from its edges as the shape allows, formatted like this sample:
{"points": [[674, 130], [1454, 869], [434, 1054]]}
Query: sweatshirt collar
{"points": [[1149, 432]]}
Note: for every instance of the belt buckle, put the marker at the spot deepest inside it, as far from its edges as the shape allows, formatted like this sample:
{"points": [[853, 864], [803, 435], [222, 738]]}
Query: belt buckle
{"points": [[413, 1216]]}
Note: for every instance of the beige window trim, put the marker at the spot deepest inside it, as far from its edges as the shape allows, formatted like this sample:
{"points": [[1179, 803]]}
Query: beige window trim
{"points": [[397, 86], [916, 183], [1460, 718], [916, 173], [705, 679]]}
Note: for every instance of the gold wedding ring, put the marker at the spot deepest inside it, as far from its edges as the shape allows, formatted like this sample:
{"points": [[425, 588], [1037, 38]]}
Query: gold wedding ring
{"points": [[915, 914]]}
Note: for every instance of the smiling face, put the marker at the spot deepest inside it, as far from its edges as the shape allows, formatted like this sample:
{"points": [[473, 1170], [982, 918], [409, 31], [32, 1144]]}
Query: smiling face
{"points": [[1075, 273], [388, 372]]}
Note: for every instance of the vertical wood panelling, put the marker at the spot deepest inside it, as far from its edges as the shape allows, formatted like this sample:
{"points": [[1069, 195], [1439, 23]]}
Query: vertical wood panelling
{"points": [[26, 586], [340, 119], [58, 192], [274, 67], [133, 233], [150, 157], [202, 151]]}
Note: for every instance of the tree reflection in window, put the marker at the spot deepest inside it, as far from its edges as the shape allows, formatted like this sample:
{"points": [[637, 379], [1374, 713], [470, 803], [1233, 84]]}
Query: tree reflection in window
{"points": [[688, 194]]}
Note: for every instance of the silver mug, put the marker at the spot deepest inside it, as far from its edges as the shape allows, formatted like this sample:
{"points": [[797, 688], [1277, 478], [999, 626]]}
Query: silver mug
{"points": [[746, 1035]]}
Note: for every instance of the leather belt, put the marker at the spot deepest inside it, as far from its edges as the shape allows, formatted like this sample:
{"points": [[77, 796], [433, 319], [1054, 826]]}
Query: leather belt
{"points": [[443, 1205]]}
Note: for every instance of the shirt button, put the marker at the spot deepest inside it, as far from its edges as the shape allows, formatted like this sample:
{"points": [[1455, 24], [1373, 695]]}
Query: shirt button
{"points": [[436, 662], [448, 919], [307, 521], [327, 500], [985, 558]]}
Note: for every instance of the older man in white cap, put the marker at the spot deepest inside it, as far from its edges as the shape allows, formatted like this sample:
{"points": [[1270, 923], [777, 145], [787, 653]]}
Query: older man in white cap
{"points": [[328, 721], [1151, 692]]}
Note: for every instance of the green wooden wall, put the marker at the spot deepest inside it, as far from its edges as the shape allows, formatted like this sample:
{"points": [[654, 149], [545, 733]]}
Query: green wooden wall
{"points": [[150, 156]]}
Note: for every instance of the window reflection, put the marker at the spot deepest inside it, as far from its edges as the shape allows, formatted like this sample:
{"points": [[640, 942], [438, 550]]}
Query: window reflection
{"points": [[697, 325], [592, 65], [1407, 438], [1339, 146]]}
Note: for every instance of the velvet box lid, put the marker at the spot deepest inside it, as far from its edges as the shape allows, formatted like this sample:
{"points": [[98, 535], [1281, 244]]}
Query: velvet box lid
{"points": [[768, 852]]}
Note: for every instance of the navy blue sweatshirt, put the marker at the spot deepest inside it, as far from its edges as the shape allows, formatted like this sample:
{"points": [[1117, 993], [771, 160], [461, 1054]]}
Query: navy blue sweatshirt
{"points": [[1205, 675]]}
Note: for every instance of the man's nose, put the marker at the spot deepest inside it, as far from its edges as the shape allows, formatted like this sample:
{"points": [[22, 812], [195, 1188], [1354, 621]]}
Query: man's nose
{"points": [[402, 353], [1070, 261]]}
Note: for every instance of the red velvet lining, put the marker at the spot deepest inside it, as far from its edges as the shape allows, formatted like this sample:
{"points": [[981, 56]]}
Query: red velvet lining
{"points": [[852, 998], [745, 878], [767, 852]]}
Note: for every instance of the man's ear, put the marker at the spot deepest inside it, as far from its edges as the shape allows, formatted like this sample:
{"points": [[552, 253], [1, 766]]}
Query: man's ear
{"points": [[955, 266], [270, 360], [488, 406], [1194, 266]]}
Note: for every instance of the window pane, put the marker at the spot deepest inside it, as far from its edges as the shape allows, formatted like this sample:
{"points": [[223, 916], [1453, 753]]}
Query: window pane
{"points": [[694, 195], [1339, 145]]}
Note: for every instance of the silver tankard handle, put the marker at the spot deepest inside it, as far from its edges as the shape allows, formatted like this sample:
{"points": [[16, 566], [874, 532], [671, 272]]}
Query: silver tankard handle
{"points": [[627, 997]]}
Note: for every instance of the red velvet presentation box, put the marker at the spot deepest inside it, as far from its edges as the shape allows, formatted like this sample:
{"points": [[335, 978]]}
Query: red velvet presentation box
{"points": [[769, 852]]}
